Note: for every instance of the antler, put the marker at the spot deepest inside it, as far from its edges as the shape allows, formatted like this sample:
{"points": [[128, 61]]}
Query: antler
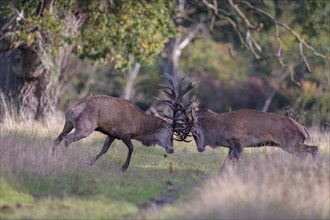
{"points": [[181, 117], [181, 121]]}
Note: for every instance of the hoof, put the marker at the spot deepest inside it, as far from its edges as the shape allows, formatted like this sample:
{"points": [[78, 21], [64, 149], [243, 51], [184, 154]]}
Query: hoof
{"points": [[314, 152], [91, 163], [124, 168]]}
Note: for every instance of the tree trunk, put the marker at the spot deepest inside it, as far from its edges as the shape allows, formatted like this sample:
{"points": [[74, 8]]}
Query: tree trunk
{"points": [[171, 61], [28, 88], [132, 74], [174, 48], [268, 101], [31, 76]]}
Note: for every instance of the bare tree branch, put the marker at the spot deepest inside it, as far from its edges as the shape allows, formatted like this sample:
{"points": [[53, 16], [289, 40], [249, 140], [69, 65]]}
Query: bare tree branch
{"points": [[294, 33], [214, 7], [242, 16], [279, 56], [190, 36], [249, 42], [18, 15]]}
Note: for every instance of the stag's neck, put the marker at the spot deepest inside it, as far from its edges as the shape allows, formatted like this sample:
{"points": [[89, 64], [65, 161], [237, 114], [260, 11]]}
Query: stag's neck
{"points": [[150, 124], [213, 128], [148, 129]]}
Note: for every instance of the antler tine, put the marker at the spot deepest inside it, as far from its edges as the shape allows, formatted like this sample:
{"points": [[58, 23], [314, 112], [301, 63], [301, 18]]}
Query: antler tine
{"points": [[165, 101], [188, 88], [196, 105], [188, 105], [162, 115], [167, 94], [169, 77], [178, 139], [182, 137], [182, 128], [182, 108], [184, 140], [167, 87], [182, 134], [184, 76], [170, 80]]}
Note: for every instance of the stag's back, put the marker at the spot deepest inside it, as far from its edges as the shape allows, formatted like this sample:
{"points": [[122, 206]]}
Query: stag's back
{"points": [[108, 114], [253, 127]]}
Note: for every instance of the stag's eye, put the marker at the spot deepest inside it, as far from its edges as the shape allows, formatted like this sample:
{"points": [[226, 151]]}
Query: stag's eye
{"points": [[164, 124]]}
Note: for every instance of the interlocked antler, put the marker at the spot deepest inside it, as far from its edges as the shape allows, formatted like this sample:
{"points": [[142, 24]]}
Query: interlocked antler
{"points": [[181, 122]]}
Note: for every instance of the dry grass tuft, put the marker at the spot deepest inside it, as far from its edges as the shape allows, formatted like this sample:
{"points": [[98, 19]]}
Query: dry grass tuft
{"points": [[26, 148], [267, 184]]}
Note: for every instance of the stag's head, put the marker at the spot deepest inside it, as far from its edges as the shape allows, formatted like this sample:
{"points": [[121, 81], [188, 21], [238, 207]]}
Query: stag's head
{"points": [[164, 137], [197, 132], [185, 119]]}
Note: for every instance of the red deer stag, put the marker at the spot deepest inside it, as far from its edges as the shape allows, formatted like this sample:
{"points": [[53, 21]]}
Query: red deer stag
{"points": [[243, 128], [249, 128], [118, 119]]}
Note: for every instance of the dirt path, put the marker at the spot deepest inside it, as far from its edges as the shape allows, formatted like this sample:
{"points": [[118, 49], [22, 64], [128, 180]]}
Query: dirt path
{"points": [[154, 205]]}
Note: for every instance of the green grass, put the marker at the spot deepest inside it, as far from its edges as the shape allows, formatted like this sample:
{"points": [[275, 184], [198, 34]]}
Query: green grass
{"points": [[10, 196], [268, 183]]}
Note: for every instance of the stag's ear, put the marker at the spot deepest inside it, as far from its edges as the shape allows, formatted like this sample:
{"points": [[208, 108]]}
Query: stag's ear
{"points": [[164, 124], [194, 117]]}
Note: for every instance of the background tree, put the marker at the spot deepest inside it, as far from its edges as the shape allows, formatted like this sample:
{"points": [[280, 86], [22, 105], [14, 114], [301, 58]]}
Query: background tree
{"points": [[247, 54], [230, 76], [37, 38], [289, 46]]}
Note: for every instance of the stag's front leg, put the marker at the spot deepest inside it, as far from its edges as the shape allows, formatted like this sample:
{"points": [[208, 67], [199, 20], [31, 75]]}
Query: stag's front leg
{"points": [[130, 147], [105, 148]]}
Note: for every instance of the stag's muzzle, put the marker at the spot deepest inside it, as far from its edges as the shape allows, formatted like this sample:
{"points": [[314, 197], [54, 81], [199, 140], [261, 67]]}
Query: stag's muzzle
{"points": [[169, 150], [201, 149]]}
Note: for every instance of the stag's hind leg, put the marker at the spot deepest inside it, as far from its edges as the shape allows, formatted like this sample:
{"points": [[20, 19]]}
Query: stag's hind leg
{"points": [[68, 126], [297, 151], [312, 150], [83, 127], [301, 150], [105, 148]]}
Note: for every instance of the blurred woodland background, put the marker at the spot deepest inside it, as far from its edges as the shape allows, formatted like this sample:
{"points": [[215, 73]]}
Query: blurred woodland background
{"points": [[270, 55]]}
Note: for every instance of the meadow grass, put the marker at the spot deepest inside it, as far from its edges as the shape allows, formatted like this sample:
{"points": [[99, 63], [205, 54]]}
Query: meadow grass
{"points": [[267, 183]]}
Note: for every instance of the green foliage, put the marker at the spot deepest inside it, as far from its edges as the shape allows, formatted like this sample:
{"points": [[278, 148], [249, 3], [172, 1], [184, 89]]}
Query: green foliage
{"points": [[109, 31], [215, 59], [314, 17], [112, 32]]}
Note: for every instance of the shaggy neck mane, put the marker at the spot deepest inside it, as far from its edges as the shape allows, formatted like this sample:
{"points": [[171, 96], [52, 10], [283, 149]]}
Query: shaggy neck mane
{"points": [[212, 125], [149, 127]]}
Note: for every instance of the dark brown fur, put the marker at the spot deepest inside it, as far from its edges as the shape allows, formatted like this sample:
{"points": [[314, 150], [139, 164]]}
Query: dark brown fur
{"points": [[118, 119], [250, 128]]}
